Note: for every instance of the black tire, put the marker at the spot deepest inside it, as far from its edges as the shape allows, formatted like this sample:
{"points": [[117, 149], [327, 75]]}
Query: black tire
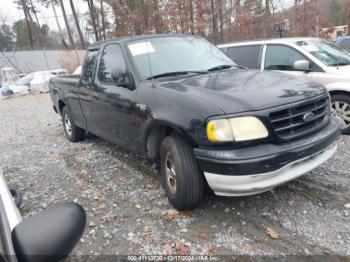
{"points": [[75, 133], [342, 98], [189, 182]]}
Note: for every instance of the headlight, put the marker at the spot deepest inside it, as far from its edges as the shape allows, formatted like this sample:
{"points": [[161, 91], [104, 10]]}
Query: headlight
{"points": [[238, 129]]}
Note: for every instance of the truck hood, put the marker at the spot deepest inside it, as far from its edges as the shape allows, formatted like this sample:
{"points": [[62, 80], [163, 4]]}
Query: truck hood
{"points": [[235, 91]]}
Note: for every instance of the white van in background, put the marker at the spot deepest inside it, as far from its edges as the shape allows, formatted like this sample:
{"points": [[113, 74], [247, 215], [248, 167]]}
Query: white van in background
{"points": [[313, 58]]}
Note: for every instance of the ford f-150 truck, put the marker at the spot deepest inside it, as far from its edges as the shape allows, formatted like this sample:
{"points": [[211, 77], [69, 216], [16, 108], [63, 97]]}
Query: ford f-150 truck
{"points": [[181, 102]]}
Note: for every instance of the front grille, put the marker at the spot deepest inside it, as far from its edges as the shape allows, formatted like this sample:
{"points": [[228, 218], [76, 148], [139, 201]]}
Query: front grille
{"points": [[289, 123]]}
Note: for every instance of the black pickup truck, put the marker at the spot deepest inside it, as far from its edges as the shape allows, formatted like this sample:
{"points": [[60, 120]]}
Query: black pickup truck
{"points": [[179, 101]]}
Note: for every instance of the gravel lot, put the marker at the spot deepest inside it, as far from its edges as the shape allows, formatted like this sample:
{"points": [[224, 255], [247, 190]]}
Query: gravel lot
{"points": [[128, 212]]}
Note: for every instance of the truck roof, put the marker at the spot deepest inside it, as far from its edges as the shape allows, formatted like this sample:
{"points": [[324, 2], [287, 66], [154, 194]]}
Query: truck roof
{"points": [[134, 37]]}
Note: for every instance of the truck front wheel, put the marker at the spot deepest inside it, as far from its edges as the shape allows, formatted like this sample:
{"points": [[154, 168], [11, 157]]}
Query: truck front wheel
{"points": [[181, 176], [73, 133]]}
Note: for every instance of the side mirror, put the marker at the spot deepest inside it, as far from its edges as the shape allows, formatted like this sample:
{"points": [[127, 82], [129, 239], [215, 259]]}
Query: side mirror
{"points": [[49, 235], [302, 65], [123, 79]]}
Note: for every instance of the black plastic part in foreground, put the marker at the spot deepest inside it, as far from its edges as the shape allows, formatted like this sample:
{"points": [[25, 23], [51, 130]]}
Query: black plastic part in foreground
{"points": [[49, 235]]}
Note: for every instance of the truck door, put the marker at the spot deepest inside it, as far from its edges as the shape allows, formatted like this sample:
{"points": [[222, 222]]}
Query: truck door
{"points": [[85, 88], [114, 106]]}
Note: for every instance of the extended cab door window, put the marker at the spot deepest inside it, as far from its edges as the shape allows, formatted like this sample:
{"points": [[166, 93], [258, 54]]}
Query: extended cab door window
{"points": [[282, 58], [111, 58], [247, 56], [88, 68]]}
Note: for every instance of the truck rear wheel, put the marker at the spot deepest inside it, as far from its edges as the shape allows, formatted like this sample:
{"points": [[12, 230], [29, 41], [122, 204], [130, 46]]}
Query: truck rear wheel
{"points": [[341, 110], [182, 179], [73, 133]]}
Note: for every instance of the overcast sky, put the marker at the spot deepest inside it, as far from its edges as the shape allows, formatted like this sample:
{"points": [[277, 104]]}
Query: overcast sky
{"points": [[11, 14], [9, 11]]}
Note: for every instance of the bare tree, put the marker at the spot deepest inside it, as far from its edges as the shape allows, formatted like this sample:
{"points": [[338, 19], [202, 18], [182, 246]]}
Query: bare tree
{"points": [[28, 21], [102, 20], [67, 24], [81, 38], [93, 18], [58, 23]]}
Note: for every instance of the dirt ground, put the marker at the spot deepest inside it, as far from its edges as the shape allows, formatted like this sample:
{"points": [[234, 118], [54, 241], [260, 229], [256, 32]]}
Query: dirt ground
{"points": [[128, 212]]}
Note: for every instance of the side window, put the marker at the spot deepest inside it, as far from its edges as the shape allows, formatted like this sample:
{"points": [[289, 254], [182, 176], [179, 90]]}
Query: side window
{"points": [[279, 57], [111, 58], [88, 67], [247, 56]]}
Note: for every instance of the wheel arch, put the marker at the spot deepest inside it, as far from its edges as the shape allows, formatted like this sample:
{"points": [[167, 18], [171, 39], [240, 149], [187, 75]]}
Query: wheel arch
{"points": [[156, 132]]}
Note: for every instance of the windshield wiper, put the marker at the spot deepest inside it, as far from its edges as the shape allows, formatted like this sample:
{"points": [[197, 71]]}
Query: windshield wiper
{"points": [[340, 64], [176, 73], [222, 67]]}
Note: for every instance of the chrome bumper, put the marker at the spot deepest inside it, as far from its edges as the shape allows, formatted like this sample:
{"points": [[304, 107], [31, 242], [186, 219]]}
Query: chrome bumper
{"points": [[244, 185]]}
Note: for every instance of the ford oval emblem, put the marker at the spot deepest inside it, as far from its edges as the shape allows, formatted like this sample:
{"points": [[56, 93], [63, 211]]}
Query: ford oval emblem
{"points": [[309, 117]]}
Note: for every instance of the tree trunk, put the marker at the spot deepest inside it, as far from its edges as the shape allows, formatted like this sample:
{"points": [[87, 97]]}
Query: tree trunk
{"points": [[214, 20], [157, 18], [58, 24], [37, 21], [221, 18], [25, 10], [102, 20], [267, 19], [81, 38], [191, 17], [92, 15], [67, 25]]}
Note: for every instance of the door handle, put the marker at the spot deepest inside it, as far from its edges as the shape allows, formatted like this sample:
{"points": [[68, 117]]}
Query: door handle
{"points": [[95, 98]]}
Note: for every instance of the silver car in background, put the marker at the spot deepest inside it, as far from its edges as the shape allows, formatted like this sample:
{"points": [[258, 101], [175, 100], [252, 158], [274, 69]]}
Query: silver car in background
{"points": [[313, 58]]}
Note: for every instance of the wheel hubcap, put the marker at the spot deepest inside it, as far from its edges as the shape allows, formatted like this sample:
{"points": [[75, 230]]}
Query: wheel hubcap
{"points": [[170, 172], [341, 111], [67, 125]]}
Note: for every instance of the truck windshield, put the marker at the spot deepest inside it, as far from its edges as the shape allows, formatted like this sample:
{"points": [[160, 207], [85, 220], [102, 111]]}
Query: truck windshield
{"points": [[327, 52], [166, 55]]}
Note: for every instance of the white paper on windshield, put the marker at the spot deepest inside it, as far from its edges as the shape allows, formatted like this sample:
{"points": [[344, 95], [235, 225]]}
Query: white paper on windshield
{"points": [[141, 48]]}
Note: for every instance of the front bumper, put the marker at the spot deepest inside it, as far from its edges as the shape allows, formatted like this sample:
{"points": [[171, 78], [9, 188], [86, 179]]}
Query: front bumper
{"points": [[257, 169]]}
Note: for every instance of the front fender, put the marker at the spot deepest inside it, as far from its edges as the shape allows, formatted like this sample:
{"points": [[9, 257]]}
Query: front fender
{"points": [[338, 86]]}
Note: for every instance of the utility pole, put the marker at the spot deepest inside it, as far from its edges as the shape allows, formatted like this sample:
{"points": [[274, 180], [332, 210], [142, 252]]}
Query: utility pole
{"points": [[317, 28]]}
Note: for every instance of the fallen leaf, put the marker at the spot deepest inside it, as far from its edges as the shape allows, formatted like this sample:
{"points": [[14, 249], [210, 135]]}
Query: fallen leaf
{"points": [[108, 218], [249, 248], [186, 213], [152, 186], [103, 206], [138, 206], [99, 196], [121, 178], [172, 214], [203, 235], [291, 203], [83, 172], [210, 248], [149, 239], [181, 249], [272, 233], [167, 248]]}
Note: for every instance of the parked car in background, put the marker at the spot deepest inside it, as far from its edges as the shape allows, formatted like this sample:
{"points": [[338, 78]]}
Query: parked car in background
{"points": [[312, 58], [49, 235], [344, 42], [180, 102]]}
